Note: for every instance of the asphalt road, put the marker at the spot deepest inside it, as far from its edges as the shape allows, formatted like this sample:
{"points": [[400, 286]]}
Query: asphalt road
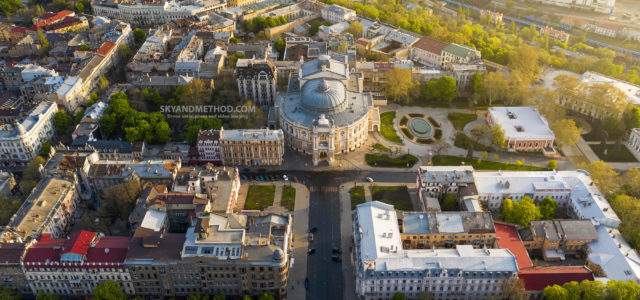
{"points": [[325, 276]]}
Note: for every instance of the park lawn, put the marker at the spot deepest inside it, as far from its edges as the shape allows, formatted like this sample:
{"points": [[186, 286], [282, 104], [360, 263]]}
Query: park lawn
{"points": [[288, 200], [381, 148], [357, 196], [386, 161], [459, 120], [615, 153], [259, 197], [386, 127], [463, 141], [398, 196], [448, 160]]}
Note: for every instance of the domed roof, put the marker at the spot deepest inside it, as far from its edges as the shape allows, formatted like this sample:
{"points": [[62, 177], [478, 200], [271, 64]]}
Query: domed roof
{"points": [[323, 95]]}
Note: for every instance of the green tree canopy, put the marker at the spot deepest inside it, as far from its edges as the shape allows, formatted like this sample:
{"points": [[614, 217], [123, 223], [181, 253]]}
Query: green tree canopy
{"points": [[399, 84], [566, 131], [109, 290], [548, 208]]}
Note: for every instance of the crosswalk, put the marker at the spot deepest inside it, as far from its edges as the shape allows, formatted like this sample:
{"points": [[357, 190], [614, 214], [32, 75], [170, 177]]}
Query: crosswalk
{"points": [[324, 189]]}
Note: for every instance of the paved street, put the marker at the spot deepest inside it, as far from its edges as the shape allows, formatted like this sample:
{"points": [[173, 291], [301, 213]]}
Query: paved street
{"points": [[328, 279]]}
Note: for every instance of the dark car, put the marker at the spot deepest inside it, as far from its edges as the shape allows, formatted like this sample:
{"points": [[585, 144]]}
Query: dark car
{"points": [[311, 251], [336, 251], [336, 258], [313, 229], [306, 283]]}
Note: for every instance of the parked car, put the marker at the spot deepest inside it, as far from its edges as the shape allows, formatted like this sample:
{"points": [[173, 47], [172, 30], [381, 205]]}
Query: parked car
{"points": [[313, 229], [310, 237], [336, 258], [369, 179], [336, 250], [311, 251]]}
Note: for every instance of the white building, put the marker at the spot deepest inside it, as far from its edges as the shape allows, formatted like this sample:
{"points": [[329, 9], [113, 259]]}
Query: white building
{"points": [[384, 267], [524, 128], [326, 112], [631, 90], [21, 142], [601, 6], [336, 13], [152, 13], [634, 142]]}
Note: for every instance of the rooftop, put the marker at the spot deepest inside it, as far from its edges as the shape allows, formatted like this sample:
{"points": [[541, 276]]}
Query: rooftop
{"points": [[381, 247], [447, 222], [631, 90], [521, 123], [616, 257], [508, 238], [536, 279]]}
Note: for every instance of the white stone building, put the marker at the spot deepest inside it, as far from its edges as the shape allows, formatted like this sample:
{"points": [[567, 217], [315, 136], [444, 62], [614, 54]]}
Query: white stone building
{"points": [[155, 12], [325, 111], [524, 128], [633, 143], [383, 267], [336, 13], [256, 80], [21, 142]]}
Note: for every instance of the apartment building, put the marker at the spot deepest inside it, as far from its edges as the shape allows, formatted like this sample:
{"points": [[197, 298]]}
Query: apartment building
{"points": [[256, 80], [601, 6], [233, 254], [249, 147], [335, 13], [426, 230], [428, 51], [74, 266], [555, 238], [149, 13], [524, 129], [11, 273], [49, 209], [106, 173], [20, 142], [384, 267], [220, 185]]}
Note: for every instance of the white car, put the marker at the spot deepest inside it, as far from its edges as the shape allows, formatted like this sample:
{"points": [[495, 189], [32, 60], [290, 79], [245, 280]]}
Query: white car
{"points": [[369, 179]]}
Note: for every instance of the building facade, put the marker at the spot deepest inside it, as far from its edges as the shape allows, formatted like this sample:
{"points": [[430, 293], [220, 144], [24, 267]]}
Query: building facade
{"points": [[256, 80], [336, 13], [601, 6], [21, 142], [524, 128], [325, 111], [153, 13], [74, 266], [384, 267], [633, 143], [252, 147]]}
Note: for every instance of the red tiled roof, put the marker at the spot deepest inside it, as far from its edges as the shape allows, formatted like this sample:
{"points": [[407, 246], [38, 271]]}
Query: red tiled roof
{"points": [[105, 48], [508, 238], [50, 18], [536, 279], [430, 45], [104, 250], [79, 242]]}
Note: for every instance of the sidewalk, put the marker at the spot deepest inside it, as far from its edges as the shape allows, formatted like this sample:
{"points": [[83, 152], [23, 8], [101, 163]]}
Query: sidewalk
{"points": [[299, 246]]}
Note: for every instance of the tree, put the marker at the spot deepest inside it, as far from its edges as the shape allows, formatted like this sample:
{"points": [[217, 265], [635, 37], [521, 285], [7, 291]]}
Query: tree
{"points": [[44, 42], [618, 289], [552, 164], [604, 176], [449, 202], [631, 181], [443, 90], [521, 212], [8, 207], [399, 84], [524, 64], [498, 136], [566, 132], [47, 296], [62, 122], [139, 36], [31, 175], [592, 290], [280, 45], [573, 289], [628, 209], [109, 290], [6, 293], [356, 29], [548, 207], [103, 83], [266, 296], [555, 292], [10, 7], [399, 296], [200, 297], [513, 289], [45, 149]]}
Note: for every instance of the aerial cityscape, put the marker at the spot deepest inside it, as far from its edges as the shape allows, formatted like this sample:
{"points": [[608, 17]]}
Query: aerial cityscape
{"points": [[320, 149]]}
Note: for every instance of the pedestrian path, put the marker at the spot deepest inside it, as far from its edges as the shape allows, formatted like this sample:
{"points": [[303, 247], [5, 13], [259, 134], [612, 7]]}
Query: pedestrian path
{"points": [[277, 197]]}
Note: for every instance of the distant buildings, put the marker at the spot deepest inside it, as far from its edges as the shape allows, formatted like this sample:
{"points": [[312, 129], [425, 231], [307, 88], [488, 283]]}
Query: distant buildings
{"points": [[524, 128], [325, 112], [555, 34], [155, 12], [256, 81], [336, 13], [21, 142], [603, 6], [248, 147], [384, 266]]}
